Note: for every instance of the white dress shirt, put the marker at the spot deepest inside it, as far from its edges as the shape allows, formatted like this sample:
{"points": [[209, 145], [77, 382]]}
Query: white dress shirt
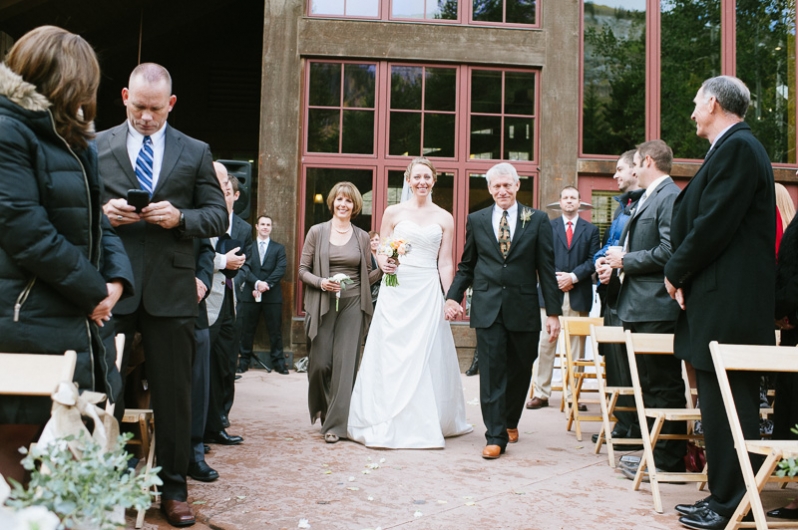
{"points": [[134, 141], [512, 219]]}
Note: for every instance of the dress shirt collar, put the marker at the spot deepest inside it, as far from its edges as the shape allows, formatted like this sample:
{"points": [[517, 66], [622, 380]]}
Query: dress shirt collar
{"points": [[653, 186], [156, 137], [719, 136], [512, 211], [565, 222]]}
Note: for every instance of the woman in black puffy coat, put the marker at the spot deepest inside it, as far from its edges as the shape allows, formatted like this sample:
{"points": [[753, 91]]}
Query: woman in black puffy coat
{"points": [[62, 268]]}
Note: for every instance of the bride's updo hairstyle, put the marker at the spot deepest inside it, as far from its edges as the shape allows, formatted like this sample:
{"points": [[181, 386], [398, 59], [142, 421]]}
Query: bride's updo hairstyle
{"points": [[424, 161], [348, 190]]}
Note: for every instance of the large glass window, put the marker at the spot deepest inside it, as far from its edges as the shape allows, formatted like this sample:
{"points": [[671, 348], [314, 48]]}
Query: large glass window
{"points": [[480, 12], [422, 111], [502, 115], [319, 182], [341, 108], [690, 54], [424, 9], [614, 89], [504, 11], [346, 8], [766, 62]]}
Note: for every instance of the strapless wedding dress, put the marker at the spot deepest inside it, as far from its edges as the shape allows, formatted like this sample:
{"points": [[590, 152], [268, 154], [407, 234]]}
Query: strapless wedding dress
{"points": [[408, 392]]}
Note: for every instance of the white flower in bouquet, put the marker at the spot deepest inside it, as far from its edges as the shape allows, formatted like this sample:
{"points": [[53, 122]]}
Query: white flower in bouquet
{"points": [[343, 280]]}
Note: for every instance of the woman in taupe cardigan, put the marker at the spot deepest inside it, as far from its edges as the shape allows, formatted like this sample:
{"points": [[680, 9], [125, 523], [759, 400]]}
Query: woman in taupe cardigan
{"points": [[336, 333]]}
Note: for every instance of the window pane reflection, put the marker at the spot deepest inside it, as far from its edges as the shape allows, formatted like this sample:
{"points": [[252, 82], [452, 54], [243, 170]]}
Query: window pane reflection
{"points": [[690, 54], [406, 87], [439, 135], [518, 138], [323, 130], [320, 181], [614, 97], [487, 10], [325, 84], [405, 134], [519, 93], [766, 62], [485, 137], [358, 133], [424, 9], [352, 8], [359, 85], [486, 91], [440, 89], [521, 11]]}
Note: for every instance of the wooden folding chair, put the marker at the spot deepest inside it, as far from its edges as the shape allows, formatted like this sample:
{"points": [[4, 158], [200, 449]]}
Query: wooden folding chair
{"points": [[576, 375], [33, 374], [727, 357], [559, 365], [610, 394], [657, 344]]}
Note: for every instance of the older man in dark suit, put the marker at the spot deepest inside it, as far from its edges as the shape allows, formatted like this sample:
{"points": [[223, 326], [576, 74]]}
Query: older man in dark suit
{"points": [[576, 241], [722, 273], [507, 246], [643, 304], [262, 294], [183, 201]]}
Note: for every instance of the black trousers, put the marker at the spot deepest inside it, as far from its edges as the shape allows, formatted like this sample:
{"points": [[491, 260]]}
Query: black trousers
{"points": [[663, 387], [169, 348], [725, 478], [617, 368], [200, 390], [505, 371], [249, 314], [222, 372]]}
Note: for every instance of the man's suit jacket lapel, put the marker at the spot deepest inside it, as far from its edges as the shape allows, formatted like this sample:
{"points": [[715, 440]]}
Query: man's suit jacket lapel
{"points": [[118, 142], [579, 230], [520, 228], [173, 146], [487, 225]]}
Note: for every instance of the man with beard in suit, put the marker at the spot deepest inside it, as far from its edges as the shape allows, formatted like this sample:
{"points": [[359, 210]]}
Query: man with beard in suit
{"points": [[261, 293], [722, 274], [644, 305], [508, 245], [232, 249], [575, 243], [184, 202]]}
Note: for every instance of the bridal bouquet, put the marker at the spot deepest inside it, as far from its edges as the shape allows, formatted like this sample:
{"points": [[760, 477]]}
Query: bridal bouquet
{"points": [[393, 248], [342, 279]]}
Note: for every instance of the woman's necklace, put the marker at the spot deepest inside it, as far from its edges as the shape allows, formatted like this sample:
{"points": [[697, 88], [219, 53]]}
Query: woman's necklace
{"points": [[343, 231]]}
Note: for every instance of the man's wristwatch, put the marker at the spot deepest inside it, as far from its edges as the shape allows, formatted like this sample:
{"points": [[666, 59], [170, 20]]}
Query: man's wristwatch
{"points": [[182, 223]]}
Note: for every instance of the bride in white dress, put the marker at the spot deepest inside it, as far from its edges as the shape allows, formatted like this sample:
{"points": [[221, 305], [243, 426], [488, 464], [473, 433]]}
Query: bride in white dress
{"points": [[408, 392]]}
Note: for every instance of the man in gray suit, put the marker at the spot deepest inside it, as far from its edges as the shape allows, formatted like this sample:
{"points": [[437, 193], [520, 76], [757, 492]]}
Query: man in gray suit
{"points": [[182, 201], [644, 305]]}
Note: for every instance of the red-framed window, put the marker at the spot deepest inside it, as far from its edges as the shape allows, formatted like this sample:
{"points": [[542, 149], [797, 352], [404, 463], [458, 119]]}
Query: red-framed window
{"points": [[464, 118], [644, 60], [521, 13]]}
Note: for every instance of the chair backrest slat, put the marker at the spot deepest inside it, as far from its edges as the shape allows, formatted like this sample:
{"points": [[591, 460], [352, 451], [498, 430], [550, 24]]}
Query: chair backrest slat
{"points": [[26, 374]]}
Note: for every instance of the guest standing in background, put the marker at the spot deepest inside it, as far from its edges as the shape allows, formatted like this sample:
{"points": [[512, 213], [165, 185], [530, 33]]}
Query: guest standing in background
{"points": [[335, 326]]}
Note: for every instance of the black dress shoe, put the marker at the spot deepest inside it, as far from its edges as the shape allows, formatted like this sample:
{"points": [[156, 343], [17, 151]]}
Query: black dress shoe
{"points": [[706, 519], [242, 368], [202, 471], [237, 377], [222, 438], [283, 371], [474, 369], [690, 509], [784, 513], [207, 448], [225, 421]]}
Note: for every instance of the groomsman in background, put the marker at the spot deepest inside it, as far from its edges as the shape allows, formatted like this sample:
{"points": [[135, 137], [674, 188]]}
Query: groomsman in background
{"points": [[261, 294], [575, 243]]}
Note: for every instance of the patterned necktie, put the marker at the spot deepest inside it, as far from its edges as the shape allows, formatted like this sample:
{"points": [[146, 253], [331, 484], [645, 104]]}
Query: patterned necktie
{"points": [[144, 165], [569, 233], [262, 250], [504, 235]]}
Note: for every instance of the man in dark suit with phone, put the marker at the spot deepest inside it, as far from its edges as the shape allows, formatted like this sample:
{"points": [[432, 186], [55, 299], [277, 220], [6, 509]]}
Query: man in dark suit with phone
{"points": [[508, 245], [261, 294], [575, 242], [722, 274], [185, 202], [232, 249]]}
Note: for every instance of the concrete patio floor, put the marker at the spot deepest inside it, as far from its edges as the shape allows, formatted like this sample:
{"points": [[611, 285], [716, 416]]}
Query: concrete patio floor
{"points": [[284, 473]]}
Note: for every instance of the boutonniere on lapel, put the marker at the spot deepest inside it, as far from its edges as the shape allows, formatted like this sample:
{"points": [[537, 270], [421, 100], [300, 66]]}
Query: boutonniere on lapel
{"points": [[526, 215]]}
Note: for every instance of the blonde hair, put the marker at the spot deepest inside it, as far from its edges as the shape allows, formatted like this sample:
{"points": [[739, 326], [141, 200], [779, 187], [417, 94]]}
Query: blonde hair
{"points": [[348, 190], [785, 205], [424, 161]]}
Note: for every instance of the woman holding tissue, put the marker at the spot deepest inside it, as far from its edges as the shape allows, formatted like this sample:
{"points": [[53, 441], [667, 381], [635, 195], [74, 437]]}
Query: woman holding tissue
{"points": [[336, 270]]}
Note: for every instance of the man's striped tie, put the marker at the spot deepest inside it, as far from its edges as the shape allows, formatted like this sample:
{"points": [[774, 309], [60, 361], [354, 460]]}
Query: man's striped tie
{"points": [[144, 165]]}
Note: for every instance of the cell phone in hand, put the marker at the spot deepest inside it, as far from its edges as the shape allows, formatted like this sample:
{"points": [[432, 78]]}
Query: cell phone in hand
{"points": [[138, 198]]}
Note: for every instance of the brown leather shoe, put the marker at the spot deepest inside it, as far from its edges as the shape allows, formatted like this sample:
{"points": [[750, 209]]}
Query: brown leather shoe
{"points": [[492, 451], [537, 403], [178, 513], [512, 434]]}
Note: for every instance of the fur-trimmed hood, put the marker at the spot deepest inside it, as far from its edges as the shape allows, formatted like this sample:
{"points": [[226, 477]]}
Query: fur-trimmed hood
{"points": [[20, 92]]}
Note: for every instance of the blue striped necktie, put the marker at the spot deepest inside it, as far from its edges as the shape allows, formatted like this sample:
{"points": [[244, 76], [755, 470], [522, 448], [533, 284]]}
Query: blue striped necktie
{"points": [[144, 165]]}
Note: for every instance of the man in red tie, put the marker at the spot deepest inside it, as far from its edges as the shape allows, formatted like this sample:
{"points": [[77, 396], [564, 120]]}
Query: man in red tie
{"points": [[576, 241]]}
